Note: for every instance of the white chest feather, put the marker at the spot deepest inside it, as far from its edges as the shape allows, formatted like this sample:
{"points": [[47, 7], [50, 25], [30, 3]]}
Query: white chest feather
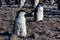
{"points": [[21, 24]]}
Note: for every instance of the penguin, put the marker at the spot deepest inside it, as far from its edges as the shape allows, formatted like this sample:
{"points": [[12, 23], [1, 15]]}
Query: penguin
{"points": [[38, 12], [36, 3], [20, 25], [20, 3]]}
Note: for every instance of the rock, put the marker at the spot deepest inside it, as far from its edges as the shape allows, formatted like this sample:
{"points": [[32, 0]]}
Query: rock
{"points": [[36, 35], [4, 37], [14, 37], [58, 37]]}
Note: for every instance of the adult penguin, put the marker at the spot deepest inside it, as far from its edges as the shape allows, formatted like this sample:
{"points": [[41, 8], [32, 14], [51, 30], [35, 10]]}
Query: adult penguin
{"points": [[20, 25], [20, 3]]}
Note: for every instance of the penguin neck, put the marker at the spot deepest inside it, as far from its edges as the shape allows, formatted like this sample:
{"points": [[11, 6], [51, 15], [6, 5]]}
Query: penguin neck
{"points": [[21, 14]]}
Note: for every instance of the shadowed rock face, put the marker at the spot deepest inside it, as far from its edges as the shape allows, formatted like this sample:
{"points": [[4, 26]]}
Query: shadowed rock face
{"points": [[0, 3], [59, 4]]}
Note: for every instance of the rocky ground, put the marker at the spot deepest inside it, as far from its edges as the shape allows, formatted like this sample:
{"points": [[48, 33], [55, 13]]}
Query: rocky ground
{"points": [[47, 29]]}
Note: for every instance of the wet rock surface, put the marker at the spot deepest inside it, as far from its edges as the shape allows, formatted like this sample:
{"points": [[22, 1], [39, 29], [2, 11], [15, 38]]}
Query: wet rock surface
{"points": [[47, 29]]}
